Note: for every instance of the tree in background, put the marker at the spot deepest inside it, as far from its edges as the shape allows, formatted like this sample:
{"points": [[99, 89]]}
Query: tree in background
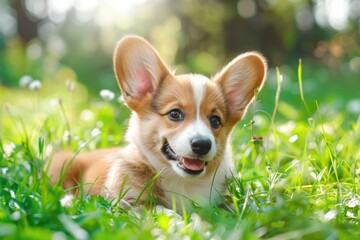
{"points": [[40, 36]]}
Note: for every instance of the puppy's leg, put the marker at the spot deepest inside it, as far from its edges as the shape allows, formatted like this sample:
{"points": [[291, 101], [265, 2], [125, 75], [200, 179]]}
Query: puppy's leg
{"points": [[89, 170]]}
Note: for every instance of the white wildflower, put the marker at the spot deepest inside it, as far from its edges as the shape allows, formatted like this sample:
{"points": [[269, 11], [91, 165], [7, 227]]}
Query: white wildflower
{"points": [[25, 81], [107, 95], [8, 149], [293, 138], [35, 85], [95, 132], [4, 170], [353, 202], [66, 201], [330, 215], [350, 214]]}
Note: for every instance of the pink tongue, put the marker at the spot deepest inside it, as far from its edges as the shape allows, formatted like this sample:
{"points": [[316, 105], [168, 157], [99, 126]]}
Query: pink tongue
{"points": [[193, 164]]}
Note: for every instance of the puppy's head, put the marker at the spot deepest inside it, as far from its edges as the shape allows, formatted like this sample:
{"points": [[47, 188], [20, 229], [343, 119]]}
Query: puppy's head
{"points": [[182, 122]]}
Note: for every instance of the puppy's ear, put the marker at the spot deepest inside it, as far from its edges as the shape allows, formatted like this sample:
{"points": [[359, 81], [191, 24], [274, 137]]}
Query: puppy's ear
{"points": [[138, 69], [239, 80]]}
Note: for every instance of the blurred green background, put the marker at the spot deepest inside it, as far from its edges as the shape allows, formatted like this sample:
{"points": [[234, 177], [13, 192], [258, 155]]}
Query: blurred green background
{"points": [[73, 40]]}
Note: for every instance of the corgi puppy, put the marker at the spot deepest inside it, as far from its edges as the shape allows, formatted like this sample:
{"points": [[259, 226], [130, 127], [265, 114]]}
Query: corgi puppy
{"points": [[178, 135]]}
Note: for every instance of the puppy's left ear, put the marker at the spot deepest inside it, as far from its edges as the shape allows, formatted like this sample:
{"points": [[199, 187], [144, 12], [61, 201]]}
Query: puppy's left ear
{"points": [[239, 81]]}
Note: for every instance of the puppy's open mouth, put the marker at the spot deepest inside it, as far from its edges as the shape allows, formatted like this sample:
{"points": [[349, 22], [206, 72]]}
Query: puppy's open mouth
{"points": [[190, 165]]}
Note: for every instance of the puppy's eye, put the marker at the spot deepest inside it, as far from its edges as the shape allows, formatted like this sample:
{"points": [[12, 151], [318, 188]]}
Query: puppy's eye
{"points": [[176, 115], [215, 121]]}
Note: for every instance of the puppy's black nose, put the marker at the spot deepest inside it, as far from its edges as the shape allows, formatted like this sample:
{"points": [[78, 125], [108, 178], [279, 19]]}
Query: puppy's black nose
{"points": [[200, 145]]}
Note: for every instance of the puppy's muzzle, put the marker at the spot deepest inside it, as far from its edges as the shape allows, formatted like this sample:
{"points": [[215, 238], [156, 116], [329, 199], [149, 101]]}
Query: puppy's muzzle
{"points": [[200, 145]]}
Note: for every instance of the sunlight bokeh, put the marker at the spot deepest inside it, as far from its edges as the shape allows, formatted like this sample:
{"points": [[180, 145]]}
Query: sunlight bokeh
{"points": [[194, 35]]}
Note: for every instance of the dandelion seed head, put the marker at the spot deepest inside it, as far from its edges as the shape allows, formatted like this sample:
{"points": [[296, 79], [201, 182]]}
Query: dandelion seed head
{"points": [[35, 85], [107, 95], [25, 81]]}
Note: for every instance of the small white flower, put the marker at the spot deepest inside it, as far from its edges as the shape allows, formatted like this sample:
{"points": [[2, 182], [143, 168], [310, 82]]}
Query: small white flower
{"points": [[293, 138], [81, 144], [353, 202], [330, 215], [107, 95], [8, 149], [350, 214], [95, 132], [35, 85], [25, 81], [66, 201]]}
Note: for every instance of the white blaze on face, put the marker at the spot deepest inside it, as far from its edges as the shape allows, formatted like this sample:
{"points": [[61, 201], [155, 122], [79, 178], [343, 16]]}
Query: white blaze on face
{"points": [[197, 128]]}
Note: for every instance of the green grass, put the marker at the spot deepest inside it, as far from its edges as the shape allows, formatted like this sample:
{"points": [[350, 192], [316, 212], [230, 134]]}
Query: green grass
{"points": [[297, 171]]}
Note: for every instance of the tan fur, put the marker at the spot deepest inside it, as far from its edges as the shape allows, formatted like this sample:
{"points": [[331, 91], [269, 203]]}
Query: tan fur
{"points": [[151, 91]]}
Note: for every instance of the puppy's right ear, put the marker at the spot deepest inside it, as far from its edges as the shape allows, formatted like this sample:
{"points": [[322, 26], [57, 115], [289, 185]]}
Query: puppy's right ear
{"points": [[138, 69]]}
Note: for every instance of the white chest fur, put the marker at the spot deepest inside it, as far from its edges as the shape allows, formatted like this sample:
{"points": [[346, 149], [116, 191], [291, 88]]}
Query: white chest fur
{"points": [[202, 191]]}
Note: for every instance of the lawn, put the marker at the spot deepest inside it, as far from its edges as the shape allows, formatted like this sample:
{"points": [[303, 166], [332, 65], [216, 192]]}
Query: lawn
{"points": [[297, 157]]}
